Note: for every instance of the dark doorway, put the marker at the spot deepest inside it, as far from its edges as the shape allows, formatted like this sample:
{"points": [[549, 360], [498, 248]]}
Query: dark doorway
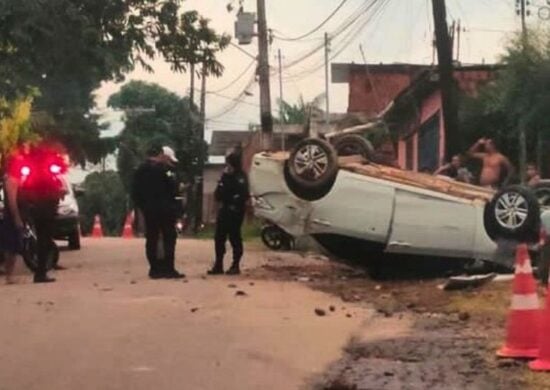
{"points": [[428, 145]]}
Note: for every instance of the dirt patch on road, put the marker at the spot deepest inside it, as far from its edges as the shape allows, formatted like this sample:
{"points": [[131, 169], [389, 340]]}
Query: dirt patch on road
{"points": [[454, 339]]}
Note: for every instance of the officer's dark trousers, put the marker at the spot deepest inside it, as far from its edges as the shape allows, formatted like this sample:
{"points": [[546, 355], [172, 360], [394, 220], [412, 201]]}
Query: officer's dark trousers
{"points": [[159, 222], [42, 215], [228, 225]]}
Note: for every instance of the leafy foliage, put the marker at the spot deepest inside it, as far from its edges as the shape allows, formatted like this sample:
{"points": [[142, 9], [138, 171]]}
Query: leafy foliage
{"points": [[15, 126], [66, 48], [519, 96], [155, 115], [104, 195]]}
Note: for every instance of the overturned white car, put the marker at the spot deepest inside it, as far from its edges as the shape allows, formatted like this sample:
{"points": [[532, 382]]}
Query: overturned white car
{"points": [[348, 204]]}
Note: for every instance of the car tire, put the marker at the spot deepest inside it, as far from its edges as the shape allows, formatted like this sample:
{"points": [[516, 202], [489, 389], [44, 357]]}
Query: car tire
{"points": [[74, 240], [273, 237], [514, 213], [352, 145], [311, 169]]}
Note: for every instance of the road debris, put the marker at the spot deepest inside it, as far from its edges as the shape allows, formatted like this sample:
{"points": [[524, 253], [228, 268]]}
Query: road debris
{"points": [[241, 293], [194, 309], [464, 316], [133, 282], [332, 308], [320, 312], [463, 282], [231, 285]]}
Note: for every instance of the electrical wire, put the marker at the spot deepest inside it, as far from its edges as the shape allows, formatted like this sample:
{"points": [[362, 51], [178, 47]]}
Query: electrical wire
{"points": [[236, 80], [342, 3], [344, 43], [347, 24], [233, 99]]}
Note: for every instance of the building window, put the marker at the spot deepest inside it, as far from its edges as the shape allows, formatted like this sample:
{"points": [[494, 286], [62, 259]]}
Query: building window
{"points": [[428, 144], [409, 153]]}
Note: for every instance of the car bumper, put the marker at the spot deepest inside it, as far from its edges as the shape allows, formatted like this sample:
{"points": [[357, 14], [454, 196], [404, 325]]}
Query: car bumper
{"points": [[65, 225]]}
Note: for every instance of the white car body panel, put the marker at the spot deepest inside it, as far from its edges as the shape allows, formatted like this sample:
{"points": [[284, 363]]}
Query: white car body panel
{"points": [[404, 218], [351, 211]]}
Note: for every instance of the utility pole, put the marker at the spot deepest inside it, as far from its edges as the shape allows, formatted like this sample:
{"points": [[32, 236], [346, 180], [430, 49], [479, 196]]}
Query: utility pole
{"points": [[453, 142], [522, 125], [458, 41], [281, 103], [263, 70], [200, 167], [327, 83]]}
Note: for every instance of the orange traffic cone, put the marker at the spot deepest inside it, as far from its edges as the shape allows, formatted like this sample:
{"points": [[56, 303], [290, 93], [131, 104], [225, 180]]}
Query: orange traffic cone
{"points": [[97, 231], [522, 339], [128, 232], [543, 361]]}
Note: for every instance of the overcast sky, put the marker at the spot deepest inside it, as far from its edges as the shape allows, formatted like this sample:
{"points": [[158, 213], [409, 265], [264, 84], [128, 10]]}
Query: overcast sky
{"points": [[397, 31]]}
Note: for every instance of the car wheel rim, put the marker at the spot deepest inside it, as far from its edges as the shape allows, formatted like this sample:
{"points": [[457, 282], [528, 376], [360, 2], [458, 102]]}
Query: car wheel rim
{"points": [[311, 162], [511, 210], [273, 239]]}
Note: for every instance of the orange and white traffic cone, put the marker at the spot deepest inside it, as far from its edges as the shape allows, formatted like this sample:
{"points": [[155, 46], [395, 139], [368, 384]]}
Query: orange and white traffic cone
{"points": [[542, 363], [522, 333], [128, 232], [97, 231]]}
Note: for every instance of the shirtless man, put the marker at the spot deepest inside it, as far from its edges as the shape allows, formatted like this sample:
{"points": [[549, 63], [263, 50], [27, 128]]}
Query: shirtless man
{"points": [[496, 169]]}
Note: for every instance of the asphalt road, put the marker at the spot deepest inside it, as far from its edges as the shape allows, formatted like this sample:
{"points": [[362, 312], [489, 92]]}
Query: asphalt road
{"points": [[105, 325]]}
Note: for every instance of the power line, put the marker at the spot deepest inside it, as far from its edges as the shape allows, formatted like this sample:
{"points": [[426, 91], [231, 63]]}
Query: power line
{"points": [[240, 76], [318, 27], [233, 99], [243, 51]]}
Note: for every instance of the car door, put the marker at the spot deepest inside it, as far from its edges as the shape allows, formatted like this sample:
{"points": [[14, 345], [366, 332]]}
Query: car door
{"points": [[426, 223], [357, 206]]}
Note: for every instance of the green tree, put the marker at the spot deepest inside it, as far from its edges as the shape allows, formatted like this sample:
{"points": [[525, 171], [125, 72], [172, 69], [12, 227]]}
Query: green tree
{"points": [[66, 48], [519, 96], [154, 114], [103, 195]]}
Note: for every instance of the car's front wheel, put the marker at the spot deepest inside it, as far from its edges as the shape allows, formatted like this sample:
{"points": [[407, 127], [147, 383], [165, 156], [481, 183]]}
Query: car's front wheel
{"points": [[312, 169], [514, 213]]}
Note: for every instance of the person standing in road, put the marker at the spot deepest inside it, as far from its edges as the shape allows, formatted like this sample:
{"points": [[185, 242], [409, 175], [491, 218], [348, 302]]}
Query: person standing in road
{"points": [[496, 169], [232, 194], [33, 192], [154, 192]]}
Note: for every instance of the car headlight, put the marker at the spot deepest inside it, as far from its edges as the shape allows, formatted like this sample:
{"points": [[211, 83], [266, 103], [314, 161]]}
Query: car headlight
{"points": [[261, 203]]}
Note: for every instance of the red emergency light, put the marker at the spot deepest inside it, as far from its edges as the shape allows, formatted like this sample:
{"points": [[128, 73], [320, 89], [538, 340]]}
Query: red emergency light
{"points": [[55, 169], [25, 171]]}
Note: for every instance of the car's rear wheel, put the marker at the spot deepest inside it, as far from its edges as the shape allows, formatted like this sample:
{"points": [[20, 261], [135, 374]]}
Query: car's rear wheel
{"points": [[514, 213], [311, 169], [74, 240], [353, 144], [274, 238]]}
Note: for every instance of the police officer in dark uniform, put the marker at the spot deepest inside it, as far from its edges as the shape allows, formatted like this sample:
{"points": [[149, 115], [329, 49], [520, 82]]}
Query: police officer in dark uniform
{"points": [[154, 193], [34, 173], [232, 194]]}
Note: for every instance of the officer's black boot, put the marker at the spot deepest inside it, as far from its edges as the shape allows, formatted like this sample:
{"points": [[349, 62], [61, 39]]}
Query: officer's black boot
{"points": [[234, 269], [217, 269], [43, 278]]}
